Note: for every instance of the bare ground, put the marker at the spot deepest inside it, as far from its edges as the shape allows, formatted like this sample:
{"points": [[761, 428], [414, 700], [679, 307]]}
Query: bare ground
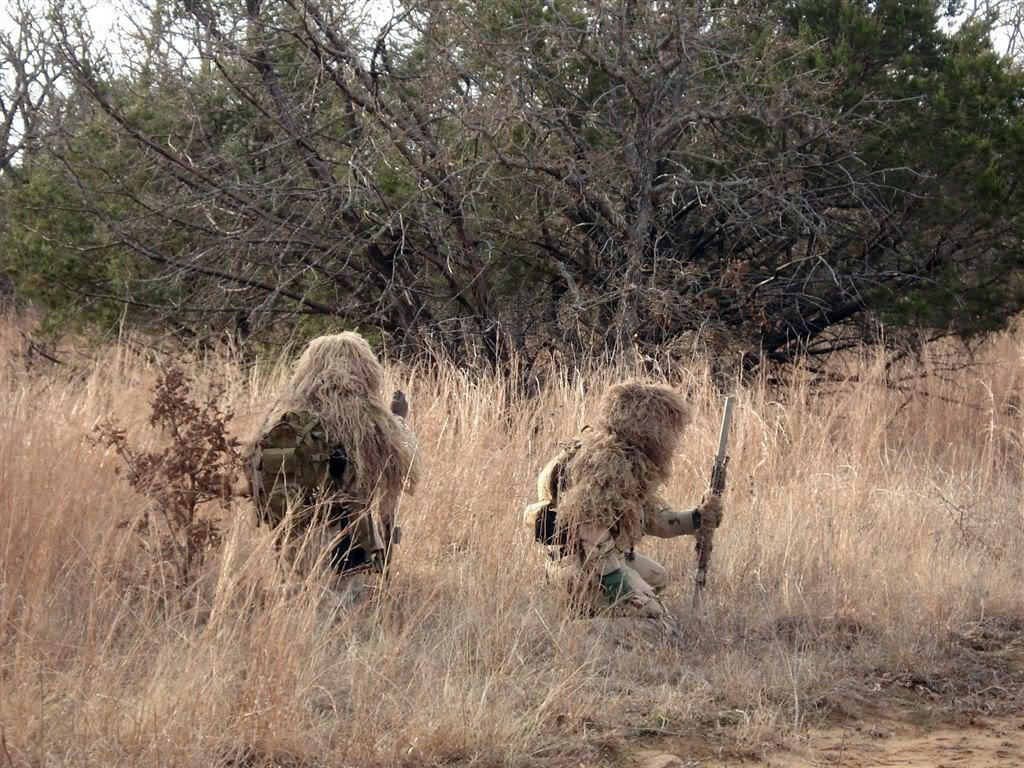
{"points": [[970, 717], [976, 743]]}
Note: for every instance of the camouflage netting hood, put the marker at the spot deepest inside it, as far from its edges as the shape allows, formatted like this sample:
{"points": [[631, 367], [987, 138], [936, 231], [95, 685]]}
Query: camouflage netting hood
{"points": [[650, 417], [624, 458], [338, 379]]}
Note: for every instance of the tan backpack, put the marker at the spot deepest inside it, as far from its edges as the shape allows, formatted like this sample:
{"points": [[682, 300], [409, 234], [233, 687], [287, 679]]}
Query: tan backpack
{"points": [[293, 470], [290, 464]]}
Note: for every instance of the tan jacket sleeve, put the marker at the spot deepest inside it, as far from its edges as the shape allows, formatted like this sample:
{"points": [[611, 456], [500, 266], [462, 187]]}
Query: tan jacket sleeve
{"points": [[665, 522]]}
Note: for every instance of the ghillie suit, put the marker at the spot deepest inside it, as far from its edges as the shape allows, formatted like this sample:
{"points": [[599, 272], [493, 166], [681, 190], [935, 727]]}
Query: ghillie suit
{"points": [[599, 496], [332, 462]]}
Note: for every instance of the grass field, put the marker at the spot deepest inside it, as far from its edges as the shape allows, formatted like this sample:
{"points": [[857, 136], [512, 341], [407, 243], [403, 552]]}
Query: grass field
{"points": [[872, 553]]}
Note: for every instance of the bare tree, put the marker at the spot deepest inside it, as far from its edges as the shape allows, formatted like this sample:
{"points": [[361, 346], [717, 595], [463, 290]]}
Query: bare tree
{"points": [[29, 73], [282, 201], [668, 162], [493, 176], [692, 177], [1005, 16]]}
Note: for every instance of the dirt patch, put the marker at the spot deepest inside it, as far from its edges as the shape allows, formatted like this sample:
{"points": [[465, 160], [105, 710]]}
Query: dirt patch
{"points": [[980, 743], [965, 710], [976, 743]]}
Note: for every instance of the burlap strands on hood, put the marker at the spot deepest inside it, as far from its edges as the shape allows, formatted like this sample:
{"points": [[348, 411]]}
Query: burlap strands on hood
{"points": [[623, 459], [338, 379]]}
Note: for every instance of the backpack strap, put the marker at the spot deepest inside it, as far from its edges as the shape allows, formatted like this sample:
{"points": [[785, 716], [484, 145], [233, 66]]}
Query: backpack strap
{"points": [[545, 512], [558, 475]]}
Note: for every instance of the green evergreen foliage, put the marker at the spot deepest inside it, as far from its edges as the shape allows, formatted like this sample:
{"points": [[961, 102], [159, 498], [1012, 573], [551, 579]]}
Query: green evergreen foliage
{"points": [[949, 116]]}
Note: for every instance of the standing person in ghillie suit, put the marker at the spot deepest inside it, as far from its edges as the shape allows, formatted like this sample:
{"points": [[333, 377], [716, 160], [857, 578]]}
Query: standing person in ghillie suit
{"points": [[599, 497], [332, 461]]}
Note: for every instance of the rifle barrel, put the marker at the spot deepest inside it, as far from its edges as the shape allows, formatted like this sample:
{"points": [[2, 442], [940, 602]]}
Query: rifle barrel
{"points": [[723, 436]]}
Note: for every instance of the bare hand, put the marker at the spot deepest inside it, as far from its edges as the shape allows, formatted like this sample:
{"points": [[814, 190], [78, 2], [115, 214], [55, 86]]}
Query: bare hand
{"points": [[399, 405]]}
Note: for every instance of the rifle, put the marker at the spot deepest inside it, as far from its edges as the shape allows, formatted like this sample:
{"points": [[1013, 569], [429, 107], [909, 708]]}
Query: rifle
{"points": [[706, 532]]}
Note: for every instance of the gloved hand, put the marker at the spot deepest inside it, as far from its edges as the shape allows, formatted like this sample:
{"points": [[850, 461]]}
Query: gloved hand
{"points": [[399, 405], [649, 605], [711, 510], [665, 627], [617, 588]]}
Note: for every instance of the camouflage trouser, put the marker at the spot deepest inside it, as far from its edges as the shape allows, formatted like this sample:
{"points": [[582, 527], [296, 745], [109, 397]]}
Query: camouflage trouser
{"points": [[336, 546], [642, 569], [644, 579], [639, 613]]}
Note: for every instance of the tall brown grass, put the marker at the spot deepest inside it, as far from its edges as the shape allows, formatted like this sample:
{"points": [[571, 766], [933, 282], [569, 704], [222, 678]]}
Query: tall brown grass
{"points": [[867, 529]]}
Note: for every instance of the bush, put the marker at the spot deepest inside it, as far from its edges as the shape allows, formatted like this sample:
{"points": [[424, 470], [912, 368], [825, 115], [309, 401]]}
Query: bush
{"points": [[181, 480]]}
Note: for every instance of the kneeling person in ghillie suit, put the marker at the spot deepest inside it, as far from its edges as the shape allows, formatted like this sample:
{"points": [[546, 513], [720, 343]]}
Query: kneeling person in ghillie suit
{"points": [[599, 497], [333, 460]]}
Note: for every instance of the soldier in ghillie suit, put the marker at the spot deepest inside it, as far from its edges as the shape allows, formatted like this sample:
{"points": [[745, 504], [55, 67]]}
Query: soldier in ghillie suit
{"points": [[599, 497], [332, 460]]}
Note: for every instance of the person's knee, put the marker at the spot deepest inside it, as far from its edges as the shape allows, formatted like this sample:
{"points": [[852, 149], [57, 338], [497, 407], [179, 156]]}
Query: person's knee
{"points": [[655, 575]]}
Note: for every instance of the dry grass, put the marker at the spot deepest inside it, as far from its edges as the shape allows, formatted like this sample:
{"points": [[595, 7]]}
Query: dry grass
{"points": [[868, 533]]}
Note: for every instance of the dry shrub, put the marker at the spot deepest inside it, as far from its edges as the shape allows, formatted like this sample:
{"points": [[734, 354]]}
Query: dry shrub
{"points": [[196, 466], [869, 535]]}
